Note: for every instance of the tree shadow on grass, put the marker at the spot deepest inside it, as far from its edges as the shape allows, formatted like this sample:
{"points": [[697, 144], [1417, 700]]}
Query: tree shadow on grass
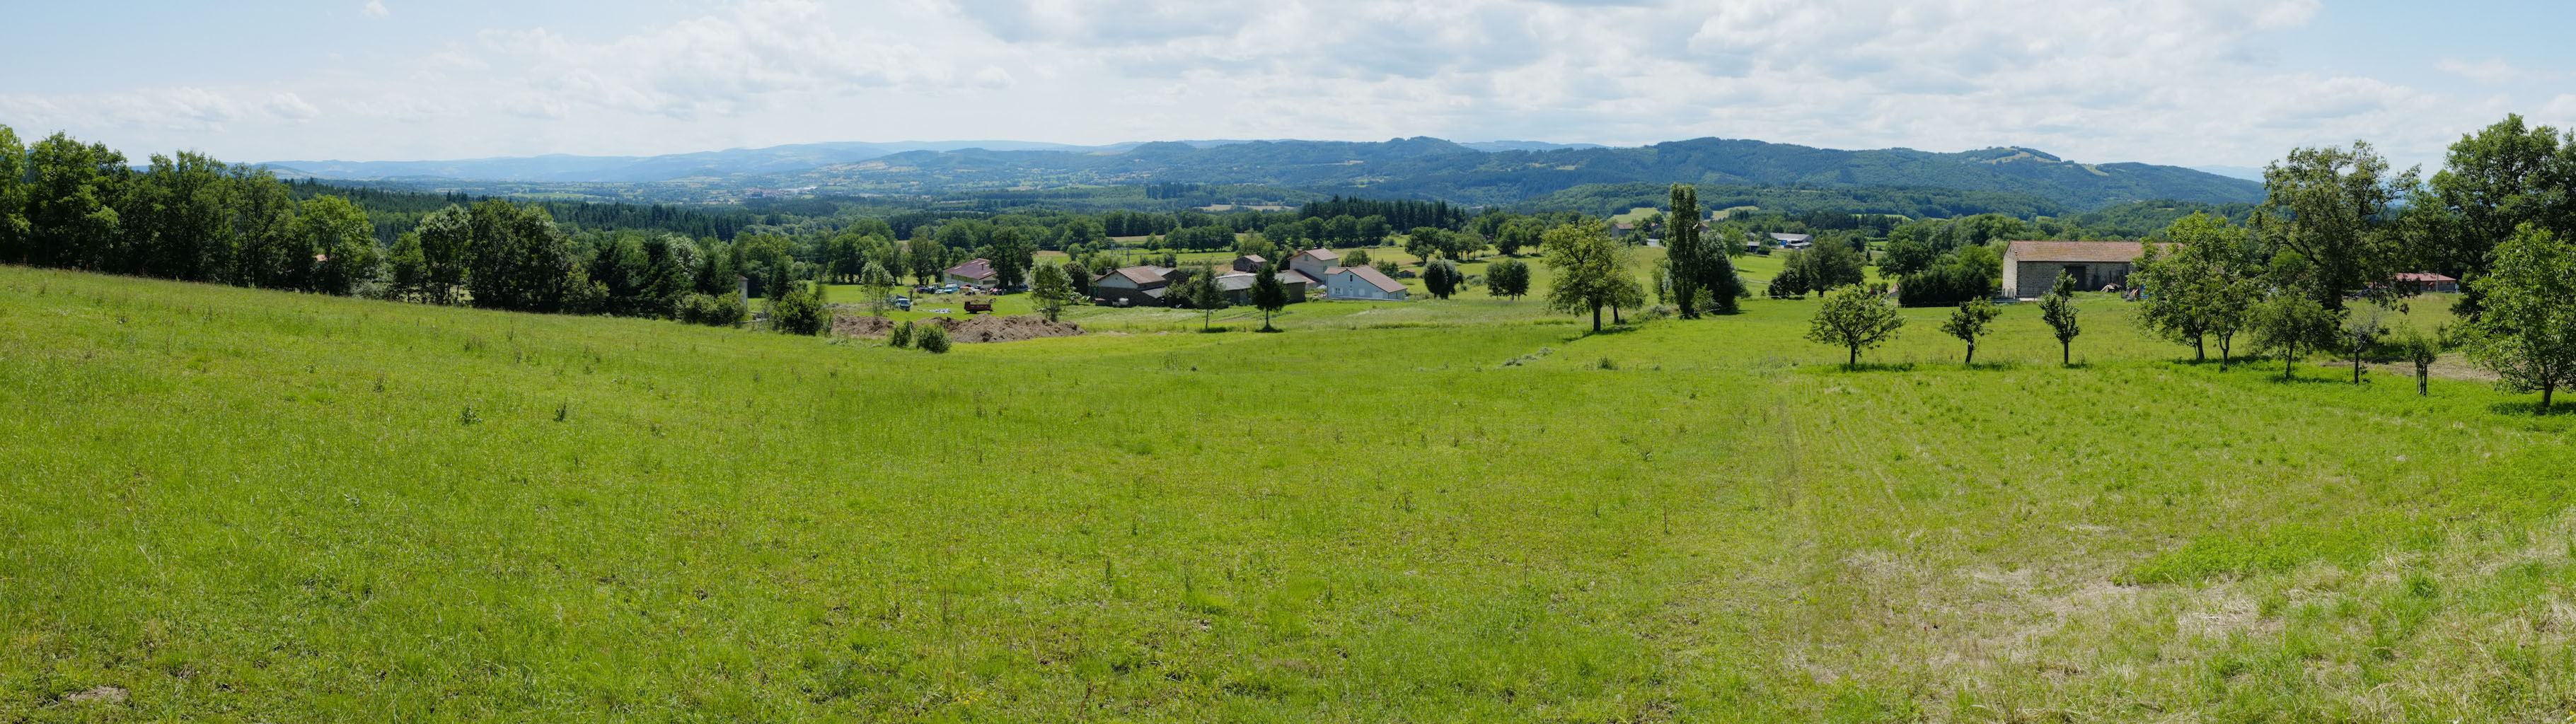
{"points": [[1866, 367], [1992, 366], [1605, 331], [2276, 378], [2531, 408]]}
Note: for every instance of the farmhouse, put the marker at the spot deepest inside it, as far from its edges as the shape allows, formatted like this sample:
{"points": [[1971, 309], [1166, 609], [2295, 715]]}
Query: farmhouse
{"points": [[2031, 267], [1314, 262], [1359, 282], [1132, 286], [978, 272], [2424, 282], [1249, 263]]}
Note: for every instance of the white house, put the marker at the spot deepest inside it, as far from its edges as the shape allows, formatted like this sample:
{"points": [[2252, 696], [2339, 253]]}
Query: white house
{"points": [[1314, 262], [1359, 282]]}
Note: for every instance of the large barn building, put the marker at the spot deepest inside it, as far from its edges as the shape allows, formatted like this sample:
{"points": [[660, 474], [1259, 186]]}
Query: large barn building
{"points": [[2031, 267]]}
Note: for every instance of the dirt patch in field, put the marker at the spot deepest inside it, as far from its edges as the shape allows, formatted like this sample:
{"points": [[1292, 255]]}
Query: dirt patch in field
{"points": [[974, 329], [102, 694], [988, 328], [2454, 366]]}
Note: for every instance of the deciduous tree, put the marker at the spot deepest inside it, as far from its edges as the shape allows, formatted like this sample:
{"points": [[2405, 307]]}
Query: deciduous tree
{"points": [[2331, 204], [344, 240], [1051, 289], [2058, 310], [879, 284], [2292, 323], [1590, 269], [1855, 319], [2527, 335], [1200, 290], [1969, 322], [1508, 278], [1442, 278]]}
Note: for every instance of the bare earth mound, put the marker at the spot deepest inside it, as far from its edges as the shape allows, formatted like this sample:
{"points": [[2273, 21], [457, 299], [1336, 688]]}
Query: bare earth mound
{"points": [[848, 326], [984, 328]]}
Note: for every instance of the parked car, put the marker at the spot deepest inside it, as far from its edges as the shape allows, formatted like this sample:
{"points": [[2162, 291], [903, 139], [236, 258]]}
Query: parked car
{"points": [[902, 302]]}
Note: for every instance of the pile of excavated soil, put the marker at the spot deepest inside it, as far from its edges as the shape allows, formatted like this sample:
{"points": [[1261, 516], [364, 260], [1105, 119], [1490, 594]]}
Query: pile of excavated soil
{"points": [[989, 328], [863, 326], [979, 328]]}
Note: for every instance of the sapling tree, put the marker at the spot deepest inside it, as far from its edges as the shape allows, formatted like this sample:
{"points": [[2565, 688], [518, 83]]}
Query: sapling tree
{"points": [[2058, 310], [1853, 318], [2421, 349], [1969, 322], [2292, 324], [2362, 327], [1201, 292]]}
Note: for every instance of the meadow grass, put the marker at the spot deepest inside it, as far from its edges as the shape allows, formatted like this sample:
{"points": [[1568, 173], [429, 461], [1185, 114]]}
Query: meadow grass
{"points": [[255, 506]]}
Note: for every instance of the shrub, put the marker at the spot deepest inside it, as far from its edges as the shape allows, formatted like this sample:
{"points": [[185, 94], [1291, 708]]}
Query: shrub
{"points": [[711, 310], [901, 337], [798, 312], [932, 338]]}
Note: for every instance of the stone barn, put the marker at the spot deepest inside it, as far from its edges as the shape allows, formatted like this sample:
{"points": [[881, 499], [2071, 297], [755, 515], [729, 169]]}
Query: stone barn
{"points": [[2031, 267]]}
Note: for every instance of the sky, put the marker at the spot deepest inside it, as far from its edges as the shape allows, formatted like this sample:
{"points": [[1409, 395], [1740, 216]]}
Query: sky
{"points": [[2184, 82]]}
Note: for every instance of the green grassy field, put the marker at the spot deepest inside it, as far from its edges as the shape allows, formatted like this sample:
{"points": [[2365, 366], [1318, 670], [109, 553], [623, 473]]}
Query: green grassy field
{"points": [[253, 506]]}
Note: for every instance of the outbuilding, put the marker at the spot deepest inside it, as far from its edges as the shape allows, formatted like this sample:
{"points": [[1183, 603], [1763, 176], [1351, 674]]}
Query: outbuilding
{"points": [[2426, 282], [2031, 267], [1135, 286], [1237, 286]]}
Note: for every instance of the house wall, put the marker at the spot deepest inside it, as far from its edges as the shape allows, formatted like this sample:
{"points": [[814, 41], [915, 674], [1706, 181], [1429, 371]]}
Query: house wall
{"points": [[2027, 279], [1350, 286], [1309, 265]]}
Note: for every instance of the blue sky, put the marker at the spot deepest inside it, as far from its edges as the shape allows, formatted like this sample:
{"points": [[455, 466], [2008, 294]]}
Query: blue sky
{"points": [[2190, 82]]}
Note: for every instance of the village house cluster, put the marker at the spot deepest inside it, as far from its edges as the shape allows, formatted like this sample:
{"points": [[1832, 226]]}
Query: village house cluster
{"points": [[1308, 271]]}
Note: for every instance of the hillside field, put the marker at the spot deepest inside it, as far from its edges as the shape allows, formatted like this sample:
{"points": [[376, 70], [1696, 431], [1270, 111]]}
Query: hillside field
{"points": [[229, 505]]}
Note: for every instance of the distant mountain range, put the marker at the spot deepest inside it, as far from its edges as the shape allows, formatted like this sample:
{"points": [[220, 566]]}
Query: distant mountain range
{"points": [[560, 168], [1491, 172]]}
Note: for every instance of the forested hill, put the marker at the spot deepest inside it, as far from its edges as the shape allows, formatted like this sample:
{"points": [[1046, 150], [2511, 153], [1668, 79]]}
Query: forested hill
{"points": [[1434, 168]]}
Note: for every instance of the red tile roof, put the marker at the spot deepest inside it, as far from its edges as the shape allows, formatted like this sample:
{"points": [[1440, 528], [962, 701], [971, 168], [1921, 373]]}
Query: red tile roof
{"points": [[2076, 251], [977, 269]]}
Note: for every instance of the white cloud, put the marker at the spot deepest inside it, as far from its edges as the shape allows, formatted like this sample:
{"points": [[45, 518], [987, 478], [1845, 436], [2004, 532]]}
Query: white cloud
{"points": [[376, 9], [2491, 70], [2181, 81]]}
